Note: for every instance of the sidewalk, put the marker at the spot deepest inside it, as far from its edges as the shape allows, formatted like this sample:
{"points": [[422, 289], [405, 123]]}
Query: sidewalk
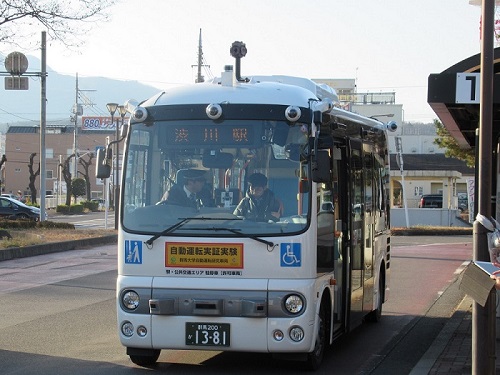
{"points": [[451, 351]]}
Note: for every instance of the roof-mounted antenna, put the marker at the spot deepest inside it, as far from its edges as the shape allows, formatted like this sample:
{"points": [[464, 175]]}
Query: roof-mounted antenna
{"points": [[238, 50]]}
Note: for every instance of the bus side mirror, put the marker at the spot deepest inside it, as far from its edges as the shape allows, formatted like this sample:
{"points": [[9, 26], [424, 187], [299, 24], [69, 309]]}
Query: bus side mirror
{"points": [[321, 166], [103, 163]]}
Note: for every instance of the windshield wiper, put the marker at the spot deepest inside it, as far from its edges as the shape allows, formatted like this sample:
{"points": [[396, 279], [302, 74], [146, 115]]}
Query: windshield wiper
{"points": [[243, 235], [168, 230], [180, 224]]}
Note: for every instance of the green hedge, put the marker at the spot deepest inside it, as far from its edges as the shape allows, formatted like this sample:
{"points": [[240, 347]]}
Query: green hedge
{"points": [[62, 208], [78, 208], [91, 205], [30, 224]]}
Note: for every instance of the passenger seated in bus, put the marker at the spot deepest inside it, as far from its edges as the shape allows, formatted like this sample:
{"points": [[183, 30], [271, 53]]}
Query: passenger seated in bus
{"points": [[259, 203], [185, 193]]}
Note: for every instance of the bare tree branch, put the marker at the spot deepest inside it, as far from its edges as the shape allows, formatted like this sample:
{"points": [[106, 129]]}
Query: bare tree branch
{"points": [[64, 20]]}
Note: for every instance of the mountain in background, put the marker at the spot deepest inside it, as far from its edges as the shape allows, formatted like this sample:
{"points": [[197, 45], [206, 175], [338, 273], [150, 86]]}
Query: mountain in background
{"points": [[22, 107]]}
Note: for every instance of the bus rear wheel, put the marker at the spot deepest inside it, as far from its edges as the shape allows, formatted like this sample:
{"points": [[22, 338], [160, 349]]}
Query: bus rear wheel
{"points": [[145, 358], [315, 358]]}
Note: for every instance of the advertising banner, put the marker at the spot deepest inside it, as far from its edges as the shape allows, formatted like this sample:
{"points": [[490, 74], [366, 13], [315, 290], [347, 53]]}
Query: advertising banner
{"points": [[100, 123]]}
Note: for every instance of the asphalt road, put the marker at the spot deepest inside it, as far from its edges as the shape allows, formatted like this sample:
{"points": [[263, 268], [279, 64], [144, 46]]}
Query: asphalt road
{"points": [[90, 220], [58, 317]]}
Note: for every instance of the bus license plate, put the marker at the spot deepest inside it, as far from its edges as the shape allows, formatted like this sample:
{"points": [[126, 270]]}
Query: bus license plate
{"points": [[207, 334]]}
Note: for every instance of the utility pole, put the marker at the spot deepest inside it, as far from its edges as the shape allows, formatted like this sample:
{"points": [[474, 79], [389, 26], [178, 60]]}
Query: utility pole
{"points": [[199, 77], [43, 115], [16, 64], [77, 110]]}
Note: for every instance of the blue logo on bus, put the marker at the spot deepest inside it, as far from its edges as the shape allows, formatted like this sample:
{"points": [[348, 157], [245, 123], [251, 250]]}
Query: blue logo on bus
{"points": [[290, 255], [133, 252]]}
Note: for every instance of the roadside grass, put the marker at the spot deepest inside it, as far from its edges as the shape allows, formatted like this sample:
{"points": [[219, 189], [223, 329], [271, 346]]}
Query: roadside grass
{"points": [[28, 233], [23, 238]]}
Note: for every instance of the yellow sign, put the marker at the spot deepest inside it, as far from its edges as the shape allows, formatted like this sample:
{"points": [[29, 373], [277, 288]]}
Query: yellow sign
{"points": [[203, 255]]}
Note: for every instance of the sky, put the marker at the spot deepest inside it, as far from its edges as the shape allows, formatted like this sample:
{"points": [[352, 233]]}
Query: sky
{"points": [[385, 45]]}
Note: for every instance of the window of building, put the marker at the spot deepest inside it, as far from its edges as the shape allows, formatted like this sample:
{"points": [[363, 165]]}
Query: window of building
{"points": [[49, 174]]}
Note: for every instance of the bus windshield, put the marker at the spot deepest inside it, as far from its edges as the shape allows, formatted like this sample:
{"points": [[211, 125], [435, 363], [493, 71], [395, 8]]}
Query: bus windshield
{"points": [[202, 178]]}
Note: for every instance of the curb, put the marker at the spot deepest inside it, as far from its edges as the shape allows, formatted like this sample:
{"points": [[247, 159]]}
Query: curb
{"points": [[54, 247]]}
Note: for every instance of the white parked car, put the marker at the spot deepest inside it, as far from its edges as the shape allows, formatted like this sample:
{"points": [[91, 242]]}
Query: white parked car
{"points": [[12, 196]]}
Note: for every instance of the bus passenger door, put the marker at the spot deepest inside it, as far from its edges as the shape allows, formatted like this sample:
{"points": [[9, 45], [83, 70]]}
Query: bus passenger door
{"points": [[356, 207], [329, 231], [368, 226]]}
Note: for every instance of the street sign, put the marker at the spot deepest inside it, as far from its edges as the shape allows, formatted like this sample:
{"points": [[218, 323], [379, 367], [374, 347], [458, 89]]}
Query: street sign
{"points": [[467, 88], [16, 83], [16, 63]]}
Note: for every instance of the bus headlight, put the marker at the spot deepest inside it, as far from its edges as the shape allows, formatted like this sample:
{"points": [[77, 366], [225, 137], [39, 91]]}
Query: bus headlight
{"points": [[130, 300], [296, 334], [294, 304], [127, 329]]}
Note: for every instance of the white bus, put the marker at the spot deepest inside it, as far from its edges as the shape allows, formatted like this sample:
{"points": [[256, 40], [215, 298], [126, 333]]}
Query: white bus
{"points": [[205, 276]]}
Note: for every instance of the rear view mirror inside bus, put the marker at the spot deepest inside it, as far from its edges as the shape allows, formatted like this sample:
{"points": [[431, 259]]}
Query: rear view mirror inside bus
{"points": [[293, 151], [217, 159], [321, 166], [280, 134]]}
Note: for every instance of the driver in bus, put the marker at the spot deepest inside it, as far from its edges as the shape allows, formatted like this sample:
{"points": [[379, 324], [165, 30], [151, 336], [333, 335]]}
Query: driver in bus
{"points": [[186, 194], [259, 203]]}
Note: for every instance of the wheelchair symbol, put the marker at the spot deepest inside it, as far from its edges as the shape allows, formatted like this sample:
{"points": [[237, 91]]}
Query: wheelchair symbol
{"points": [[290, 255]]}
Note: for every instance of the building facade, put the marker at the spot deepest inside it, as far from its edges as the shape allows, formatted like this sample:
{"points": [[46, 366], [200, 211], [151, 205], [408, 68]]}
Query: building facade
{"points": [[22, 141]]}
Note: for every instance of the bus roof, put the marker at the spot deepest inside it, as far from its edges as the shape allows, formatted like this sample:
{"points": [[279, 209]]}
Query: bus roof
{"points": [[285, 90]]}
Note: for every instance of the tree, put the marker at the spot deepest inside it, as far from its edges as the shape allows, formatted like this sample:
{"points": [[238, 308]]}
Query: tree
{"points": [[66, 174], [78, 188], [33, 176], [64, 21], [452, 149], [86, 165], [2, 162]]}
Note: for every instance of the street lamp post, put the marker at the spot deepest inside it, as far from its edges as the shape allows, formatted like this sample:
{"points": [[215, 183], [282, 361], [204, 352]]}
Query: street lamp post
{"points": [[112, 107]]}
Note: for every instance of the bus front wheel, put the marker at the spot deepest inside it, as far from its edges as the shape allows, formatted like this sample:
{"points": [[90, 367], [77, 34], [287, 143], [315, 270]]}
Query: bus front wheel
{"points": [[315, 358], [144, 357]]}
